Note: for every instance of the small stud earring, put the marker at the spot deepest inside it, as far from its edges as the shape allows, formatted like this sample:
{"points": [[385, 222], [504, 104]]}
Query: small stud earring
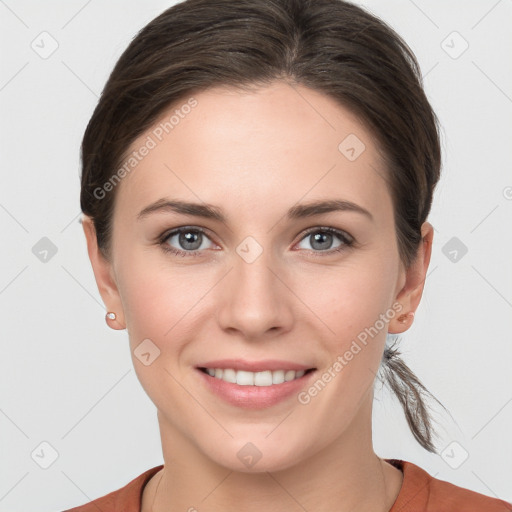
{"points": [[110, 315], [404, 318]]}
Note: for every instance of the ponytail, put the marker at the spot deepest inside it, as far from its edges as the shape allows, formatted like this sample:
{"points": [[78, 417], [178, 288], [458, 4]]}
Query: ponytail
{"points": [[411, 394]]}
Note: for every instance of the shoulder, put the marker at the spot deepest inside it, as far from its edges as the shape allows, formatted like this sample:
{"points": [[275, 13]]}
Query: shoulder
{"points": [[421, 492], [126, 499]]}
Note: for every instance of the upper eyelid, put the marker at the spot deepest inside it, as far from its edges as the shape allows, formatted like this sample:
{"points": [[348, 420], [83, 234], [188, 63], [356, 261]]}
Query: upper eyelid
{"points": [[328, 229], [176, 231]]}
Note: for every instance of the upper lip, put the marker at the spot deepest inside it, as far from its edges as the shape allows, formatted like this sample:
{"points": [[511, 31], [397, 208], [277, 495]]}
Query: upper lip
{"points": [[255, 366]]}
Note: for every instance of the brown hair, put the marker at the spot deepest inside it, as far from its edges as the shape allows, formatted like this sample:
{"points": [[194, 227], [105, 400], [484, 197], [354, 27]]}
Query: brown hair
{"points": [[331, 46]]}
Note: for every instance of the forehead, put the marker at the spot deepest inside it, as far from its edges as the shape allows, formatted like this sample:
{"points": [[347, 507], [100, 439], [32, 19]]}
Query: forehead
{"points": [[277, 144]]}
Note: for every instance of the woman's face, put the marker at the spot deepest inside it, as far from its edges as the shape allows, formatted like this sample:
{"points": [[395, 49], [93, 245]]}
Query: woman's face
{"points": [[267, 282]]}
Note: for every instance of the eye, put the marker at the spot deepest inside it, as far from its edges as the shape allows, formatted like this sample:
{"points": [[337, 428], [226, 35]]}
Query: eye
{"points": [[322, 238], [189, 241]]}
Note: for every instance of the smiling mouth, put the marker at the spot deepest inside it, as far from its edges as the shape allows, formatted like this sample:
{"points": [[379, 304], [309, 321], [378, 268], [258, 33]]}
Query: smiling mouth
{"points": [[263, 378]]}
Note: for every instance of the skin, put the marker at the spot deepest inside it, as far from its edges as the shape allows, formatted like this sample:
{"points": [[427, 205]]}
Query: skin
{"points": [[255, 154]]}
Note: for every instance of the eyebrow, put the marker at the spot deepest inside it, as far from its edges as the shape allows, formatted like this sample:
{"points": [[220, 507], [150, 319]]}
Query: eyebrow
{"points": [[209, 211]]}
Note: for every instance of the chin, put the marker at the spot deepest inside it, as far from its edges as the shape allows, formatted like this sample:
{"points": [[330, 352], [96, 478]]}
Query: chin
{"points": [[256, 457]]}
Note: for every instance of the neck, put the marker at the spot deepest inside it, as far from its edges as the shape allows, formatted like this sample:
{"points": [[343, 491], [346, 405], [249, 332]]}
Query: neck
{"points": [[345, 475]]}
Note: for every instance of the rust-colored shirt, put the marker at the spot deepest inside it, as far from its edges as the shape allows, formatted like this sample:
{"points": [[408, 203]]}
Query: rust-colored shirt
{"points": [[420, 492]]}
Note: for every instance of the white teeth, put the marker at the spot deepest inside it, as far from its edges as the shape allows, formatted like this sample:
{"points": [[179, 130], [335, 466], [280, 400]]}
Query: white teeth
{"points": [[229, 375], [278, 377], [243, 378], [264, 378], [289, 375]]}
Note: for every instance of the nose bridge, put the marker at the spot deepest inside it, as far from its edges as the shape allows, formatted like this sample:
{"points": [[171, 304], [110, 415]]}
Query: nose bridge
{"points": [[252, 271], [254, 299]]}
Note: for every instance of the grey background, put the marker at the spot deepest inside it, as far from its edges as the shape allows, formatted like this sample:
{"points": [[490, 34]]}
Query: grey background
{"points": [[67, 379]]}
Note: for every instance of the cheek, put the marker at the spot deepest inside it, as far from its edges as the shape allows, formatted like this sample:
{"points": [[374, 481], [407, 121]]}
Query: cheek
{"points": [[351, 298], [163, 304], [354, 302], [158, 306], [159, 309], [154, 299]]}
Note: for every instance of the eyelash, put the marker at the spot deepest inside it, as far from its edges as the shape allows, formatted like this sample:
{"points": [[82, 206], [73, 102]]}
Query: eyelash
{"points": [[347, 240]]}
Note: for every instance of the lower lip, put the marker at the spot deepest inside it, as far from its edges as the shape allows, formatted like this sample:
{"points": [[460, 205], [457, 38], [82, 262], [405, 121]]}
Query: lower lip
{"points": [[254, 397]]}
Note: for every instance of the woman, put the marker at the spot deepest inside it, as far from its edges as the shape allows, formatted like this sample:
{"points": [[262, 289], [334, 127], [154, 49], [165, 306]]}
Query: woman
{"points": [[257, 178]]}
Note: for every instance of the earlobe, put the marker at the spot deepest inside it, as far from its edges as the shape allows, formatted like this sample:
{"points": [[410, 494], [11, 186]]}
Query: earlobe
{"points": [[410, 295], [113, 322], [103, 275]]}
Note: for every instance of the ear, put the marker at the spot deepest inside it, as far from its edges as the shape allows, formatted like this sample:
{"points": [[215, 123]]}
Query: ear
{"points": [[104, 275], [410, 294]]}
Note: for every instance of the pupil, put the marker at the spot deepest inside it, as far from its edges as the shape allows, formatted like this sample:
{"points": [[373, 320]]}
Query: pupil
{"points": [[318, 237], [189, 238]]}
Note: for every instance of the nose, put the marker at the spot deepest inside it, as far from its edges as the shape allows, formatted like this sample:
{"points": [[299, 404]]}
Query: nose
{"points": [[254, 299]]}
